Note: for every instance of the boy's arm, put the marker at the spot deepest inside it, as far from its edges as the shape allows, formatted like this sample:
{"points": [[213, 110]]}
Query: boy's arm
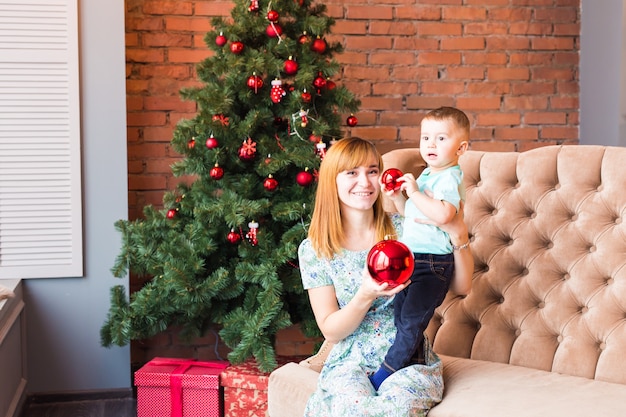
{"points": [[439, 211]]}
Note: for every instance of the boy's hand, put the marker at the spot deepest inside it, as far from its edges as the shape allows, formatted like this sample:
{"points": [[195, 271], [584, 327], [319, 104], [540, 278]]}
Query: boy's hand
{"points": [[409, 185]]}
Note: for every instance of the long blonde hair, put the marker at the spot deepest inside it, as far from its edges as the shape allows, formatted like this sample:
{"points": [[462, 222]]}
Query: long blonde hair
{"points": [[326, 230]]}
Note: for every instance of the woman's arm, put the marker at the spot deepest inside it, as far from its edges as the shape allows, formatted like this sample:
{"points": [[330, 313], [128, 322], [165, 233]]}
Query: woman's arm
{"points": [[463, 259], [337, 323]]}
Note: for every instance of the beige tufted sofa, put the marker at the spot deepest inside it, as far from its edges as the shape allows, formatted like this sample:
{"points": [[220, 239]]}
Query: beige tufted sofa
{"points": [[543, 332]]}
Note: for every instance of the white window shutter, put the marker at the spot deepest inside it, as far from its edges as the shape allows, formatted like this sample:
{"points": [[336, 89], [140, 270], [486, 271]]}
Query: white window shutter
{"points": [[40, 171]]}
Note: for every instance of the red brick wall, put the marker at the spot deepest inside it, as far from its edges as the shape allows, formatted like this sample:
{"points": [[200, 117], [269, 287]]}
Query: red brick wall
{"points": [[511, 65]]}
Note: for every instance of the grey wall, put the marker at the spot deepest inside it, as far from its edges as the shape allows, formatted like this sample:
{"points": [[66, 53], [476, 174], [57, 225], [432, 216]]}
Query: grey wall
{"points": [[602, 73], [64, 316]]}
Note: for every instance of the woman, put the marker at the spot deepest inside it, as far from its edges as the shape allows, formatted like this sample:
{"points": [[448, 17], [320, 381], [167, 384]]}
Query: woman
{"points": [[351, 309]]}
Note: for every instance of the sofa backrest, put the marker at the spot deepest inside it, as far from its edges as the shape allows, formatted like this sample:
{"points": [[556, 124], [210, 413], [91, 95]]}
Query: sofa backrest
{"points": [[549, 244]]}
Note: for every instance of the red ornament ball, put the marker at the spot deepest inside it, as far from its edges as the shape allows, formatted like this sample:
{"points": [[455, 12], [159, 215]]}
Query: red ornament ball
{"points": [[304, 38], [220, 40], [270, 183], [236, 47], [273, 30], [352, 120], [304, 178], [191, 143], [390, 261], [306, 96], [319, 46], [171, 213], [216, 172], [291, 66], [233, 237], [390, 179], [211, 142], [273, 16], [255, 83], [319, 82]]}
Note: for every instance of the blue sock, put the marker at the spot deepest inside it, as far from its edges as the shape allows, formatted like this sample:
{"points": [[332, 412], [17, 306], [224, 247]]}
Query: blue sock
{"points": [[378, 377]]}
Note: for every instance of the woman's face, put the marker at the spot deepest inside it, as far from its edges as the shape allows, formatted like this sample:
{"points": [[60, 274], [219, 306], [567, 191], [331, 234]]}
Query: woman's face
{"points": [[358, 188]]}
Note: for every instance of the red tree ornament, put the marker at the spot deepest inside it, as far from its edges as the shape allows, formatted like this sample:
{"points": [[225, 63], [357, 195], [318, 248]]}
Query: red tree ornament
{"points": [[277, 91], [291, 66], [319, 82], [211, 142], [236, 47], [320, 149], [255, 83], [270, 183], [247, 151], [319, 45], [171, 213], [304, 38], [304, 178], [254, 6], [233, 237], [273, 16], [390, 261], [217, 172], [306, 96], [274, 30], [352, 120], [191, 143], [252, 233], [220, 40], [390, 179]]}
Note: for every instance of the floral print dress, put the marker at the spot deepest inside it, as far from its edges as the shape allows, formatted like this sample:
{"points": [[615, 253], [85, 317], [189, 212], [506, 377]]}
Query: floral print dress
{"points": [[344, 389]]}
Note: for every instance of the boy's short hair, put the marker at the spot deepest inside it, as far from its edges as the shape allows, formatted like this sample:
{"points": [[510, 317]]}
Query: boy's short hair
{"points": [[459, 118]]}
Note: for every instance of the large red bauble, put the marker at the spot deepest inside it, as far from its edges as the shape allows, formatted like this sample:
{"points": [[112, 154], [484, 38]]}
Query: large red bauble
{"points": [[390, 179], [304, 178], [390, 261], [236, 47], [319, 46]]}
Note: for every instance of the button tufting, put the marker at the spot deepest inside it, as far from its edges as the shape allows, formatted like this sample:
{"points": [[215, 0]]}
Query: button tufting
{"points": [[583, 309], [541, 304], [602, 346], [518, 332], [592, 249], [609, 281], [559, 338], [573, 217]]}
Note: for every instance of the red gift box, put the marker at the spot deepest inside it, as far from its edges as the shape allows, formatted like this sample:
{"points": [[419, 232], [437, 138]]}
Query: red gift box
{"points": [[168, 387], [245, 388]]}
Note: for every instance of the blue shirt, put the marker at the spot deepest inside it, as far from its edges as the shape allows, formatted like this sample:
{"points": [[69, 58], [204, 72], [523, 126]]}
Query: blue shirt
{"points": [[446, 185]]}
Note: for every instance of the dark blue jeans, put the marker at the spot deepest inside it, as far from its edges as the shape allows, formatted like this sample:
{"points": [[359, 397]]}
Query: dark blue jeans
{"points": [[415, 305]]}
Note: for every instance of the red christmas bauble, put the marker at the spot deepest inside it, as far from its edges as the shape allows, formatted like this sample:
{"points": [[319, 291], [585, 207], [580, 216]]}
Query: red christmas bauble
{"points": [[319, 82], [390, 179], [247, 151], [171, 213], [236, 47], [352, 120], [291, 66], [319, 46], [304, 178], [191, 143], [304, 38], [306, 96], [233, 237], [274, 30], [216, 172], [220, 40], [255, 83], [390, 261], [211, 142], [330, 84], [273, 16], [270, 183]]}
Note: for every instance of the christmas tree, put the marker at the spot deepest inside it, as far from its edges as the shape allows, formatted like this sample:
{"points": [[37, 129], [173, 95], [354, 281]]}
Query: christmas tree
{"points": [[223, 250]]}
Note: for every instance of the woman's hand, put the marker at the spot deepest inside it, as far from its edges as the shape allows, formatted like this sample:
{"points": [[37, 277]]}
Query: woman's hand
{"points": [[372, 289]]}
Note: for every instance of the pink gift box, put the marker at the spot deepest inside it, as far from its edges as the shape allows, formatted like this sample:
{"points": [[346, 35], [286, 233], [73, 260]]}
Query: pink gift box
{"points": [[245, 388], [169, 387]]}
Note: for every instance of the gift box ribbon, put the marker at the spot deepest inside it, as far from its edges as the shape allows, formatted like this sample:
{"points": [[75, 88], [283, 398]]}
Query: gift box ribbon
{"points": [[176, 378]]}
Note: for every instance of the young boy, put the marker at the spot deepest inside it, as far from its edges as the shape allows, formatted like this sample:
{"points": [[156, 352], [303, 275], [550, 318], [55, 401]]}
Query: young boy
{"points": [[434, 198]]}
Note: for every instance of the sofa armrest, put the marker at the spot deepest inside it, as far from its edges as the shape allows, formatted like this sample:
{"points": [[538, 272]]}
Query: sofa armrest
{"points": [[289, 389], [316, 361]]}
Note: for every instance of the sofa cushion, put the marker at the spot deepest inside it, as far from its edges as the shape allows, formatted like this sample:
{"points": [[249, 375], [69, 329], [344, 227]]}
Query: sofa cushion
{"points": [[476, 388]]}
